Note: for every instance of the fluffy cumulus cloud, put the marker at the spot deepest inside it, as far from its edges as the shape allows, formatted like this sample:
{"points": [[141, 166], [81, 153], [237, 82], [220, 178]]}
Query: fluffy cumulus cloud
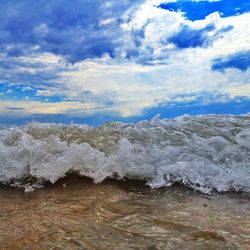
{"points": [[76, 30], [122, 58]]}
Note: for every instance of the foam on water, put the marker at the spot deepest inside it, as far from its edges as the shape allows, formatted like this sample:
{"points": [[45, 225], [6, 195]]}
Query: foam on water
{"points": [[205, 152]]}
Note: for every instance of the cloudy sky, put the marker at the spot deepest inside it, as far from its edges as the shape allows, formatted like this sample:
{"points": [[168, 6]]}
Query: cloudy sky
{"points": [[99, 60]]}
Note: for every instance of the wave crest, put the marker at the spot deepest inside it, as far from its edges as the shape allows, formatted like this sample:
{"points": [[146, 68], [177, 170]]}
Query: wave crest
{"points": [[204, 152]]}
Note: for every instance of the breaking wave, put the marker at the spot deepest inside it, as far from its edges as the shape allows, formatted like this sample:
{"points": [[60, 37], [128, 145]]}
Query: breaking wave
{"points": [[205, 153]]}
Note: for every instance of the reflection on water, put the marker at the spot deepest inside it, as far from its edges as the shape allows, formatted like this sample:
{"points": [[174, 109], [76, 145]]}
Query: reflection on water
{"points": [[76, 214]]}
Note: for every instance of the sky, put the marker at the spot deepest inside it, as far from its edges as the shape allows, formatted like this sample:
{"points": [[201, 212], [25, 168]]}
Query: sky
{"points": [[95, 61]]}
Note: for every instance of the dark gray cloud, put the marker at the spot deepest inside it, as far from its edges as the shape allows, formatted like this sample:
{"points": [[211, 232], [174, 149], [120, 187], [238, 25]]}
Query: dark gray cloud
{"points": [[73, 29], [187, 37]]}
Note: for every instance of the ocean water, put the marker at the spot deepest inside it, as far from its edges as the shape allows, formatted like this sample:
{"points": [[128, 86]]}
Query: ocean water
{"points": [[76, 214], [206, 153]]}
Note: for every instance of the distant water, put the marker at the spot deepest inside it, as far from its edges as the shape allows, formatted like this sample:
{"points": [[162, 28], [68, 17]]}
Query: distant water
{"points": [[205, 153]]}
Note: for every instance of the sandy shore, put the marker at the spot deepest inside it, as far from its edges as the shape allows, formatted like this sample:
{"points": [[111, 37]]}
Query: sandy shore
{"points": [[77, 214]]}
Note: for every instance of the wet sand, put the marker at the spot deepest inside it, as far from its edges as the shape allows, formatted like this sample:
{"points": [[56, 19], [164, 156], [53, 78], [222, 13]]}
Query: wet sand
{"points": [[77, 214]]}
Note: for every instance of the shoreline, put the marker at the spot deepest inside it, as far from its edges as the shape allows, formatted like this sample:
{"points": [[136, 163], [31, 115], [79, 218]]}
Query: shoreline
{"points": [[73, 177], [77, 214]]}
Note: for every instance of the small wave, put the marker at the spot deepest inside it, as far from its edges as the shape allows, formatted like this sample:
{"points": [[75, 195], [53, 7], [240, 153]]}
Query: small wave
{"points": [[205, 153]]}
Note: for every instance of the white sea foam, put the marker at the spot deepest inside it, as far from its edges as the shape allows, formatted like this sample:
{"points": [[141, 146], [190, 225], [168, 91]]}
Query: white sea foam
{"points": [[204, 152]]}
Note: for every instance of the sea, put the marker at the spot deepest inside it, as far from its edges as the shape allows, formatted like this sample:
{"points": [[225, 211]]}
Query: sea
{"points": [[206, 153], [181, 183]]}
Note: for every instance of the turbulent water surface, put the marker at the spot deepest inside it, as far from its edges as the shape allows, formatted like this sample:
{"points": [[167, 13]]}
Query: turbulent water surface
{"points": [[205, 153], [76, 214]]}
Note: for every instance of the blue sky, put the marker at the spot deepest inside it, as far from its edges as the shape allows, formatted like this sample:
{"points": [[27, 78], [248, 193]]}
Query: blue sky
{"points": [[94, 61]]}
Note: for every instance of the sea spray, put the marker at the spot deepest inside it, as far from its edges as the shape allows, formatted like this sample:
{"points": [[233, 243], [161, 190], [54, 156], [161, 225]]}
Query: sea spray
{"points": [[205, 153]]}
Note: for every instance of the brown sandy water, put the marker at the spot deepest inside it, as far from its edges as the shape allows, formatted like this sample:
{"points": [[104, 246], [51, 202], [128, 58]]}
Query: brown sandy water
{"points": [[122, 215]]}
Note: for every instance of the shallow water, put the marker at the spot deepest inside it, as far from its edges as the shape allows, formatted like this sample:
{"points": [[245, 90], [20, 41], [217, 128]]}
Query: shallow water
{"points": [[74, 213]]}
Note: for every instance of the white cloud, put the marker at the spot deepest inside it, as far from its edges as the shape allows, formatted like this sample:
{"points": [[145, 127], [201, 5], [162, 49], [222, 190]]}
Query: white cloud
{"points": [[243, 90], [131, 87], [29, 107]]}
